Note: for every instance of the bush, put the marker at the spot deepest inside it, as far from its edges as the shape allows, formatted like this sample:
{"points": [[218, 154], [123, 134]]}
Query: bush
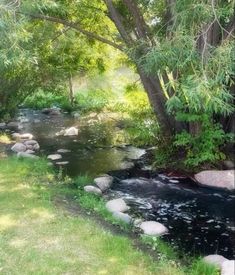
{"points": [[45, 99], [93, 101], [205, 147]]}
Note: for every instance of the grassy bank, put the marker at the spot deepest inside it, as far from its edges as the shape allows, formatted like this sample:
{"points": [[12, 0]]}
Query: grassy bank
{"points": [[36, 237]]}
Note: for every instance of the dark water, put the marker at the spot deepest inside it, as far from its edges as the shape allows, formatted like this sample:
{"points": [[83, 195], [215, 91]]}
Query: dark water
{"points": [[200, 220]]}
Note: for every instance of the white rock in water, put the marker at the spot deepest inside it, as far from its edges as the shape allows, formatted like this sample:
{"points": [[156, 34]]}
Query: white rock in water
{"points": [[153, 228], [26, 155], [63, 151], [54, 156], [104, 182], [214, 259], [122, 217], [92, 189], [18, 147], [116, 205], [228, 268], [72, 131], [215, 178], [62, 162]]}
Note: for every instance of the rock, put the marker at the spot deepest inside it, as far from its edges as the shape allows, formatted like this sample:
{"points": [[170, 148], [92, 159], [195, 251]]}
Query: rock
{"points": [[13, 124], [22, 136], [62, 162], [116, 205], [122, 217], [23, 120], [228, 267], [104, 182], [2, 125], [215, 259], [29, 151], [72, 131], [19, 147], [63, 151], [51, 111], [26, 155], [54, 156], [32, 145], [93, 189], [228, 164], [76, 115], [36, 121], [137, 222], [218, 179], [153, 228]]}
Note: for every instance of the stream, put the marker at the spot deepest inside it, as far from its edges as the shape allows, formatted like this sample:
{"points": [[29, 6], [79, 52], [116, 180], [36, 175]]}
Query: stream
{"points": [[200, 220]]}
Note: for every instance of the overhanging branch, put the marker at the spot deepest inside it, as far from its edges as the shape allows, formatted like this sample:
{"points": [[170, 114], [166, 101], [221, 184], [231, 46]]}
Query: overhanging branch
{"points": [[76, 27]]}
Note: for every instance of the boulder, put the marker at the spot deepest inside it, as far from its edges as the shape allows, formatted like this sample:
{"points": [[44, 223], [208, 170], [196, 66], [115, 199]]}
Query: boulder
{"points": [[122, 217], [26, 155], [36, 121], [19, 147], [104, 182], [63, 151], [215, 259], [116, 205], [228, 267], [153, 228], [92, 189], [72, 131], [76, 115], [32, 145], [217, 179], [54, 156]]}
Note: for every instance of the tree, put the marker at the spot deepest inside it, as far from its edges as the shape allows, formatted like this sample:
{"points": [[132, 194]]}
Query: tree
{"points": [[197, 32]]}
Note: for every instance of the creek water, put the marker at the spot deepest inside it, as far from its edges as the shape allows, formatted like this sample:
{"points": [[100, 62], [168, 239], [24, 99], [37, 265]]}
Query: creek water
{"points": [[200, 221]]}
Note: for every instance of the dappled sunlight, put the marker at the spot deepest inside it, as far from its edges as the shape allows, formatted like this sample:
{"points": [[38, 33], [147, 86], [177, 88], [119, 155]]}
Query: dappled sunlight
{"points": [[113, 260], [18, 243], [6, 222], [42, 213]]}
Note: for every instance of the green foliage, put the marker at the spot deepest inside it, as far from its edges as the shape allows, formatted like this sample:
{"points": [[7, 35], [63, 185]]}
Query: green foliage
{"points": [[140, 123], [205, 146], [44, 99], [93, 101]]}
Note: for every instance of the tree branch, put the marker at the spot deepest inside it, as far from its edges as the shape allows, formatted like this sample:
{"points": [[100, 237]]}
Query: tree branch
{"points": [[76, 27]]}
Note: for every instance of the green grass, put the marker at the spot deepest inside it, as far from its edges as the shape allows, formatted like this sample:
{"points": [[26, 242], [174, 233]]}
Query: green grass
{"points": [[36, 237]]}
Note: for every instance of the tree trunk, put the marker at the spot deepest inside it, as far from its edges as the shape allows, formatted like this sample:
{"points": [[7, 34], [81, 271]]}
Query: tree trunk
{"points": [[71, 91]]}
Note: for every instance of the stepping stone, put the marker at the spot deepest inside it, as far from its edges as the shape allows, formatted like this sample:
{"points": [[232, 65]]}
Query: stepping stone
{"points": [[153, 228], [104, 182], [92, 189], [116, 205], [54, 156]]}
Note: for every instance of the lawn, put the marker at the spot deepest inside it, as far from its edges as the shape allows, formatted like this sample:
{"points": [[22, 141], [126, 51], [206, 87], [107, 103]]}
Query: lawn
{"points": [[36, 237]]}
